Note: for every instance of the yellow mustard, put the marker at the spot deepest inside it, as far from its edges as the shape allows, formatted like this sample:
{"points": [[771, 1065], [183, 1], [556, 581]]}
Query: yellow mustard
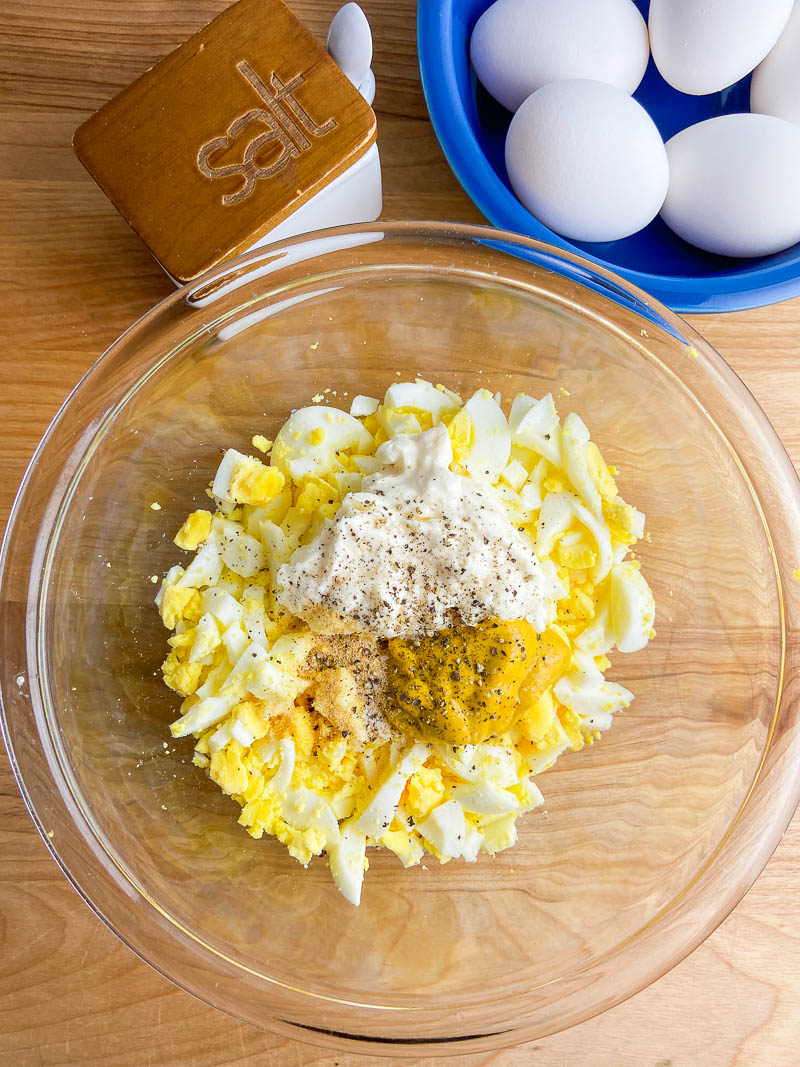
{"points": [[463, 685]]}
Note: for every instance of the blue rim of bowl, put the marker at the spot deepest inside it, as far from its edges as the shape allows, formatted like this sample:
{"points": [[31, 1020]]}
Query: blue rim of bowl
{"points": [[740, 291]]}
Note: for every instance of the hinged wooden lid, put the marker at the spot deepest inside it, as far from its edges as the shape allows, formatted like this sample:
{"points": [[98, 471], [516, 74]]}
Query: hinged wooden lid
{"points": [[226, 136]]}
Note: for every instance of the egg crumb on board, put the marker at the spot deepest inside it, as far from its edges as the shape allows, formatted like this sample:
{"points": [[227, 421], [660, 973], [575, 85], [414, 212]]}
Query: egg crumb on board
{"points": [[262, 443], [390, 627]]}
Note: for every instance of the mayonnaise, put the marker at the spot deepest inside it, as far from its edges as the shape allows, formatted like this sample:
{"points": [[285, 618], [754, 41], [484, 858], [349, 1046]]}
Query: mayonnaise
{"points": [[418, 550]]}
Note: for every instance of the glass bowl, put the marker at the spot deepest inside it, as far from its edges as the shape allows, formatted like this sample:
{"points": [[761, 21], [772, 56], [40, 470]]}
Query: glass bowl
{"points": [[647, 840]]}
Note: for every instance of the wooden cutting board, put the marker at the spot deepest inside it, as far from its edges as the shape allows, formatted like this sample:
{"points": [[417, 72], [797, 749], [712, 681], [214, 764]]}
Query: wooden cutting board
{"points": [[72, 277]]}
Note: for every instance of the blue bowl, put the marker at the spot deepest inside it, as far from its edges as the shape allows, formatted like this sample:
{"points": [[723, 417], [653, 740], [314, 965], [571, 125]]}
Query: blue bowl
{"points": [[471, 127]]}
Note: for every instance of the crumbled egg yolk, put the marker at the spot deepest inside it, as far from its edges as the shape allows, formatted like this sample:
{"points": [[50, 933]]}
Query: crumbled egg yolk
{"points": [[194, 531], [254, 482], [482, 709], [317, 497], [461, 431], [262, 443], [424, 790], [181, 676], [179, 604]]}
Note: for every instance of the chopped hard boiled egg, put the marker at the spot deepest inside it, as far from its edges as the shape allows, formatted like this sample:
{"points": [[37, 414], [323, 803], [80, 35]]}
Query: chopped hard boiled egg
{"points": [[311, 438], [491, 438], [333, 738]]}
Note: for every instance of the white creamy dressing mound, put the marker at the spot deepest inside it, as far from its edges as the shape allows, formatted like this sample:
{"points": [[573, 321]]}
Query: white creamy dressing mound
{"points": [[418, 550]]}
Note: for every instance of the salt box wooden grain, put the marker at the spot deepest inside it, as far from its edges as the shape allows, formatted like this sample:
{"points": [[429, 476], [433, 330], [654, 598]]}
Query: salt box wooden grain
{"points": [[246, 132]]}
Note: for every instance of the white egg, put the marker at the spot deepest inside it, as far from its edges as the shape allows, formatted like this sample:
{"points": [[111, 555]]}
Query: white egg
{"points": [[473, 840], [225, 608], [241, 734], [281, 781], [518, 46], [558, 514], [350, 42], [220, 738], [498, 833], [308, 811], [775, 88], [702, 46], [587, 160], [206, 638], [734, 185]]}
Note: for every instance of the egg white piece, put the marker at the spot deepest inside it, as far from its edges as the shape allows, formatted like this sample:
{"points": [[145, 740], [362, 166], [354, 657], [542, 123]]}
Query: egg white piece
{"points": [[574, 439], [499, 833], [558, 514], [221, 605], [445, 828], [282, 778], [205, 568], [221, 487], [535, 425], [584, 690], [170, 579], [421, 395], [775, 87], [377, 816], [632, 607], [491, 445], [734, 185], [243, 554], [206, 640], [587, 160], [307, 811], [515, 475], [597, 638], [485, 799], [702, 46], [293, 452], [518, 46], [364, 405], [346, 859], [203, 714]]}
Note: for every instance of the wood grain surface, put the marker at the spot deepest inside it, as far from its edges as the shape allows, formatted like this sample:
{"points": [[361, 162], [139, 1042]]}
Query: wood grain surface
{"points": [[72, 277]]}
